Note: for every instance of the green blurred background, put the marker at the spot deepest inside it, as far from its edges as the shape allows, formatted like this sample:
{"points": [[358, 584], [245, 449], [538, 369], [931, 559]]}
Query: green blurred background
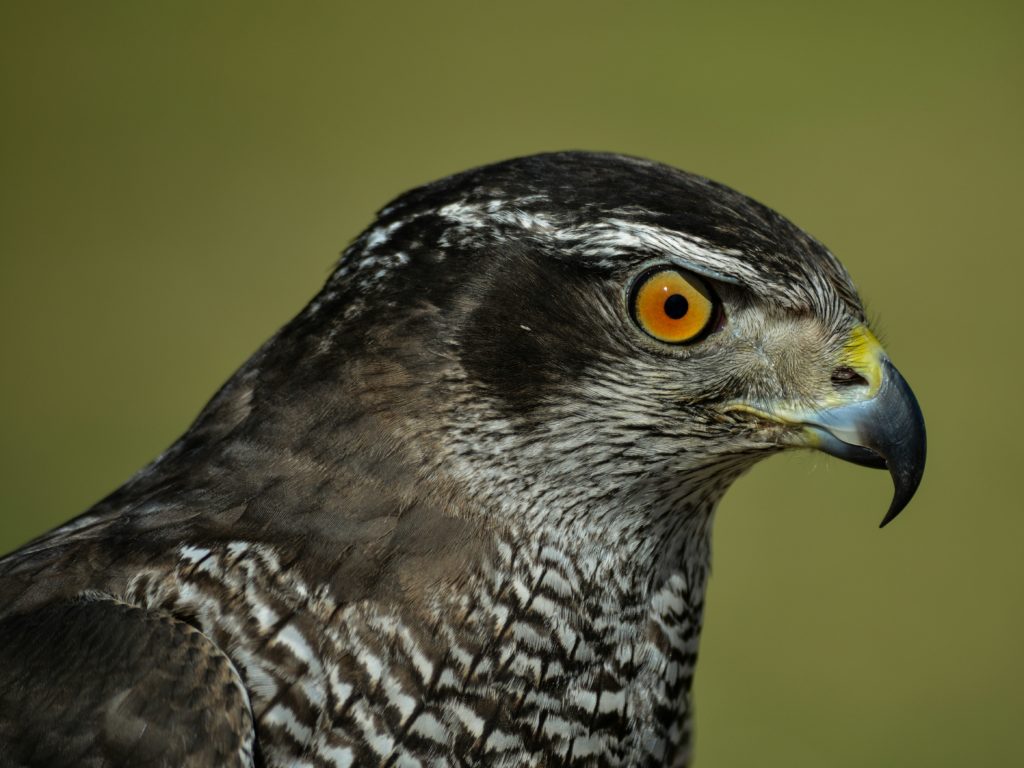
{"points": [[176, 180]]}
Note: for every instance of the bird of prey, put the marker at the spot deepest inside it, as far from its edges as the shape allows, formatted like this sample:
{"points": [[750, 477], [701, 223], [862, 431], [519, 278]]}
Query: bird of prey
{"points": [[457, 511]]}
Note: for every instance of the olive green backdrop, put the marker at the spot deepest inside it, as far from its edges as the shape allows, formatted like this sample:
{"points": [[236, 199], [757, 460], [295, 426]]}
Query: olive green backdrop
{"points": [[176, 180]]}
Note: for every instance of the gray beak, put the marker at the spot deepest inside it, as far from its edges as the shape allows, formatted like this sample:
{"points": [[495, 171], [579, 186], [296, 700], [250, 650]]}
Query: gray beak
{"points": [[886, 432]]}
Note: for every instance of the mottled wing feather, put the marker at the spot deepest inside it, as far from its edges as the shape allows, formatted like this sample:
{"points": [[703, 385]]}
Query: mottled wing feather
{"points": [[97, 682]]}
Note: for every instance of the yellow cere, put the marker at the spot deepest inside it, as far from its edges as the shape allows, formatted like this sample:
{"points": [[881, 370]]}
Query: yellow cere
{"points": [[864, 354]]}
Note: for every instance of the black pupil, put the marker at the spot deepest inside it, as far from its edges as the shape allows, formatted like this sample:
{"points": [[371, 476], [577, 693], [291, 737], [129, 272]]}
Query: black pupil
{"points": [[676, 306]]}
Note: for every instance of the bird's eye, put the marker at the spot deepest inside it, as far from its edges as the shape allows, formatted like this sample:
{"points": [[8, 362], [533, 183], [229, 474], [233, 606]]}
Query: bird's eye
{"points": [[673, 307]]}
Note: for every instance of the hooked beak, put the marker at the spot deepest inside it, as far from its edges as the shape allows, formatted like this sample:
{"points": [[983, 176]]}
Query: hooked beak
{"points": [[885, 431], [880, 426]]}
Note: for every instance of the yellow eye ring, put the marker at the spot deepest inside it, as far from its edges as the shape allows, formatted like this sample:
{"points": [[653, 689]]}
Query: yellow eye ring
{"points": [[673, 307]]}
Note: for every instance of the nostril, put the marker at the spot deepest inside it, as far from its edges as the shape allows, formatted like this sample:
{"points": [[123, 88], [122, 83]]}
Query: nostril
{"points": [[846, 377]]}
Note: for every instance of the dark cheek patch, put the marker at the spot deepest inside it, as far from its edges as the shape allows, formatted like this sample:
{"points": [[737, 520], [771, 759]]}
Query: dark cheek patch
{"points": [[534, 327]]}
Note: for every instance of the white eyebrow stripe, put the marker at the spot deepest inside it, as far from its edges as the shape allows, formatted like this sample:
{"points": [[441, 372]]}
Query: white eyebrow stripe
{"points": [[611, 237], [605, 239]]}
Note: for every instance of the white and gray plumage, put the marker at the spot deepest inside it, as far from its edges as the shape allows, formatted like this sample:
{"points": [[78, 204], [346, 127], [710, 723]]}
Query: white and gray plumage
{"points": [[457, 511]]}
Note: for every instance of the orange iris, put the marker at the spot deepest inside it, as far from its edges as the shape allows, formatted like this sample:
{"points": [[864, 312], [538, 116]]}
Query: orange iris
{"points": [[673, 308]]}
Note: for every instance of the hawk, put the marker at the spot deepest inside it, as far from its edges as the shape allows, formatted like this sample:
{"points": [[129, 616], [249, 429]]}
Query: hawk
{"points": [[457, 511]]}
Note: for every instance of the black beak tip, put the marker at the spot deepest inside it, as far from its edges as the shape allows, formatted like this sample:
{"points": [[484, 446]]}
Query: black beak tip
{"points": [[907, 444], [906, 479], [894, 510]]}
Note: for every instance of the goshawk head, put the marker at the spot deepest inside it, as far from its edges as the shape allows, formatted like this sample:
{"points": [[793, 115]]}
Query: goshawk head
{"points": [[574, 334]]}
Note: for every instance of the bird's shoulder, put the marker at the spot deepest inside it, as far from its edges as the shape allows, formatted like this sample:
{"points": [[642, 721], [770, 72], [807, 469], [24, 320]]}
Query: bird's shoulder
{"points": [[95, 681], [352, 540]]}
